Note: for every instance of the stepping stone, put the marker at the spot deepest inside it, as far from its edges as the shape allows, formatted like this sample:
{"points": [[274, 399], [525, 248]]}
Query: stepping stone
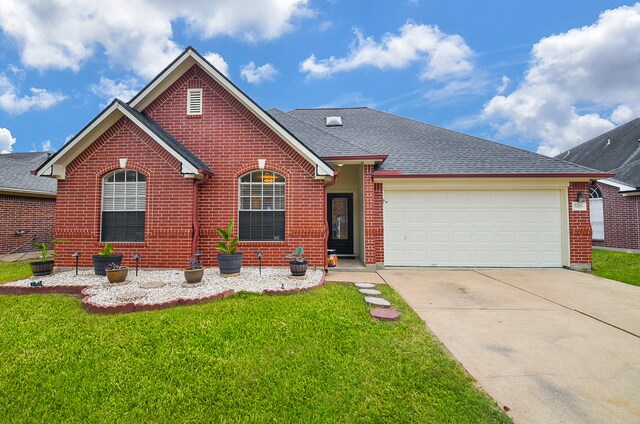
{"points": [[385, 314], [365, 285], [377, 301], [370, 292], [130, 296]]}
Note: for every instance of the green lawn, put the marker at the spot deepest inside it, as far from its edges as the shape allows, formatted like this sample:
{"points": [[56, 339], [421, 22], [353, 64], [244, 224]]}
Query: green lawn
{"points": [[10, 271], [618, 266], [308, 357]]}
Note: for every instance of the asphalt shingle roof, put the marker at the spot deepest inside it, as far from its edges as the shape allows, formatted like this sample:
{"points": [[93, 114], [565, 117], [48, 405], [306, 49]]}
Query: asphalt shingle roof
{"points": [[415, 147], [15, 173], [616, 151]]}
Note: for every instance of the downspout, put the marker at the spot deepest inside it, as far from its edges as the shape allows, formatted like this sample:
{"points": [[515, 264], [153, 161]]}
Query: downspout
{"points": [[196, 228], [326, 224]]}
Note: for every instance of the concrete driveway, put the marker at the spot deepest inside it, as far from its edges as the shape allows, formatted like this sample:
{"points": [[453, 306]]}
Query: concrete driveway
{"points": [[551, 345]]}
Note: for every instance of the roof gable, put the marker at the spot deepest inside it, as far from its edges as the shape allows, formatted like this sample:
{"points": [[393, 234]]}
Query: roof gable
{"points": [[191, 57], [55, 166]]}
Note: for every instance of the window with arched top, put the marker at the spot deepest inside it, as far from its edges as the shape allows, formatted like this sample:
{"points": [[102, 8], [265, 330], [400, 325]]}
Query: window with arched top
{"points": [[261, 206], [123, 206], [596, 213]]}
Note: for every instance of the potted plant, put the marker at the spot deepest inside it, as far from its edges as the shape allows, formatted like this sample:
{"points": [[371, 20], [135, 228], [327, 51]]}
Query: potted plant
{"points": [[44, 266], [229, 260], [116, 273], [298, 265], [194, 273], [105, 257]]}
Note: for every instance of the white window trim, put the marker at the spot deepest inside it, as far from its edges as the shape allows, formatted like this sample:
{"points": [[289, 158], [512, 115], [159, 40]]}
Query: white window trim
{"points": [[191, 99]]}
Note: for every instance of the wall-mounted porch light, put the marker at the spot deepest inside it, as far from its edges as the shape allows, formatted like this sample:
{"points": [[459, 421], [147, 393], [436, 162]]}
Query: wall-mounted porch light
{"points": [[581, 198]]}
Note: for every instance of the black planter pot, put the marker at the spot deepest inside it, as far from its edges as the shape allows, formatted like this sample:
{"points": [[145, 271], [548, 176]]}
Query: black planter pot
{"points": [[40, 268], [298, 269], [100, 263], [230, 264]]}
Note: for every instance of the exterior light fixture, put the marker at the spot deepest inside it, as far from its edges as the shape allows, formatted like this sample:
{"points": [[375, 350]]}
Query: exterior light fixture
{"points": [[77, 256], [137, 257], [581, 198], [340, 165], [20, 233], [123, 162], [261, 163]]}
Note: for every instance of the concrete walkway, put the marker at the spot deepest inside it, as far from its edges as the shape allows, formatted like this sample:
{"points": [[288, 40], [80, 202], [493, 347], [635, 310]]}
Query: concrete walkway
{"points": [[552, 345]]}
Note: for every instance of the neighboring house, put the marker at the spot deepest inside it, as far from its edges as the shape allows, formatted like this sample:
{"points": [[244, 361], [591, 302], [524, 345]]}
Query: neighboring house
{"points": [[191, 151], [615, 201], [27, 203]]}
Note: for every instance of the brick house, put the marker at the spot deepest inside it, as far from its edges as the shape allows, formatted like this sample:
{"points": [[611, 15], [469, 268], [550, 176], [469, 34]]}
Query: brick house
{"points": [[27, 203], [615, 201], [158, 174]]}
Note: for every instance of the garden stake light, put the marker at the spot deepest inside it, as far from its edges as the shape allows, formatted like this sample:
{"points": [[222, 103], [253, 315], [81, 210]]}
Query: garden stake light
{"points": [[259, 256], [137, 257], [77, 256]]}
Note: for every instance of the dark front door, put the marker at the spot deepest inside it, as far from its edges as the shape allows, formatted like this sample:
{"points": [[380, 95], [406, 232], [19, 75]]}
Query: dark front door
{"points": [[340, 217]]}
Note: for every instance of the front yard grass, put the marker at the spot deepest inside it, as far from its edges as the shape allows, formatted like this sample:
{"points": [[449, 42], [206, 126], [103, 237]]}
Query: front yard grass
{"points": [[307, 357], [620, 266], [10, 271]]}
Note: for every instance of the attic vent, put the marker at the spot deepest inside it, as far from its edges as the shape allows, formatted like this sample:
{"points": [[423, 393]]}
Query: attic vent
{"points": [[194, 101], [333, 121]]}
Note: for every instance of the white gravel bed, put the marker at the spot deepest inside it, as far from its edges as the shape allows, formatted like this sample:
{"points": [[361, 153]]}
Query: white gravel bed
{"points": [[144, 290]]}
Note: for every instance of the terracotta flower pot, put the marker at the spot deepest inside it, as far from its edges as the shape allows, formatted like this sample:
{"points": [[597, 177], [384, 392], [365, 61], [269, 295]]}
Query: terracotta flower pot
{"points": [[117, 275], [193, 276]]}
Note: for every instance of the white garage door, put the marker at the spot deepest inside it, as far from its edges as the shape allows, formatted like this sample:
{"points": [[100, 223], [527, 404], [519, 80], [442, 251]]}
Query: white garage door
{"points": [[480, 228]]}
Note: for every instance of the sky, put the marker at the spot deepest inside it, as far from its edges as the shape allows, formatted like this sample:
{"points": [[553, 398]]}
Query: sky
{"points": [[541, 75]]}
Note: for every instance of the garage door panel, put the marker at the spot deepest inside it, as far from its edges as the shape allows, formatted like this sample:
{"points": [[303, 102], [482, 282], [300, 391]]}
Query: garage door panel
{"points": [[473, 228]]}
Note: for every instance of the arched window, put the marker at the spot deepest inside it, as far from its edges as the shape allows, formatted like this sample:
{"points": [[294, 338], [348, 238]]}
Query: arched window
{"points": [[595, 193], [123, 206], [261, 206], [596, 213]]}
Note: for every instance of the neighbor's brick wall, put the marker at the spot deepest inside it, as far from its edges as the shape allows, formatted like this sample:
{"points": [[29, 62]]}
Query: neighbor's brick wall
{"points": [[621, 219], [33, 214], [579, 228], [167, 240], [230, 139], [373, 218]]}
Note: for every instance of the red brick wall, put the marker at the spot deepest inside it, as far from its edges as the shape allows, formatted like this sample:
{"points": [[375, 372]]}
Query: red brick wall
{"points": [[33, 214], [621, 219], [167, 239], [579, 228], [230, 139], [373, 218]]}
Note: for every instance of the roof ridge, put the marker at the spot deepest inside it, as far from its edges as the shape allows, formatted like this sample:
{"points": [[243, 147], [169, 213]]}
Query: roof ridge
{"points": [[329, 134]]}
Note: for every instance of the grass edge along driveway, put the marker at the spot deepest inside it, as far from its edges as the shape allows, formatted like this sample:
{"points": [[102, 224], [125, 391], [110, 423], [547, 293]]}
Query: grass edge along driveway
{"points": [[307, 357]]}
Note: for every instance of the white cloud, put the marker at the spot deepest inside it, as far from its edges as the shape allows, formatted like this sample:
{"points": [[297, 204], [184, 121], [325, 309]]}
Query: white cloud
{"points": [[12, 102], [134, 35], [442, 55], [573, 77], [110, 89], [6, 141], [218, 61], [256, 75], [504, 84], [45, 146]]}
